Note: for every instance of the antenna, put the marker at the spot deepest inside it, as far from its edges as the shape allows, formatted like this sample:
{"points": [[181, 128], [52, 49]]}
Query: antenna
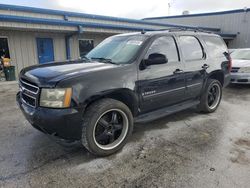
{"points": [[169, 6], [170, 3]]}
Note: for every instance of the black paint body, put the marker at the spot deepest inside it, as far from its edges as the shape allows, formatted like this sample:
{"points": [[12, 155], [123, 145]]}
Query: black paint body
{"points": [[142, 89]]}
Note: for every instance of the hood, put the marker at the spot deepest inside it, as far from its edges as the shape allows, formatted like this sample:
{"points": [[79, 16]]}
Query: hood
{"points": [[240, 63], [51, 73]]}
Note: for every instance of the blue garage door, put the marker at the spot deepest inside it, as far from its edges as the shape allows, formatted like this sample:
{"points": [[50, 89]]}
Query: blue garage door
{"points": [[45, 50]]}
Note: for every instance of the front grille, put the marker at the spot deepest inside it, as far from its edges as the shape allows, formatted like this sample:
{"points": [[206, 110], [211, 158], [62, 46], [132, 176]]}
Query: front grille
{"points": [[235, 69], [29, 92]]}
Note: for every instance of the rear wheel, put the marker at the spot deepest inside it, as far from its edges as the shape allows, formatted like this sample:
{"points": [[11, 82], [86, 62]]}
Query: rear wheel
{"points": [[107, 125], [211, 96]]}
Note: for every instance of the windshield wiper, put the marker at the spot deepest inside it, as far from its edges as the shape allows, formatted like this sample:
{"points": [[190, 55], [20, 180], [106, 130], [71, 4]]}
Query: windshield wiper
{"points": [[85, 58], [104, 60]]}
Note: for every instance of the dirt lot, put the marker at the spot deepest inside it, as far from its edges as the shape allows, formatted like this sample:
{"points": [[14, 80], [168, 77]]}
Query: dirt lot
{"points": [[183, 150]]}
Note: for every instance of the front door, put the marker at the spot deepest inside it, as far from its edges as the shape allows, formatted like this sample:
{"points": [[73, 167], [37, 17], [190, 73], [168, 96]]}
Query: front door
{"points": [[45, 50], [161, 85]]}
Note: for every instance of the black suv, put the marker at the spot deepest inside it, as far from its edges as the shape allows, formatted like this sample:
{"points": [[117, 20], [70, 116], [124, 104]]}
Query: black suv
{"points": [[127, 78]]}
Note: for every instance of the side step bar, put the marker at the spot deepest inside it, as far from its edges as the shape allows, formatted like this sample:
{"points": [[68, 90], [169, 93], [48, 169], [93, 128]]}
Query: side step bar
{"points": [[165, 111]]}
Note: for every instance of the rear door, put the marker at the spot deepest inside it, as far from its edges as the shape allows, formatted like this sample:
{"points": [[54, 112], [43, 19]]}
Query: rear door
{"points": [[161, 85], [45, 50], [194, 57], [217, 54]]}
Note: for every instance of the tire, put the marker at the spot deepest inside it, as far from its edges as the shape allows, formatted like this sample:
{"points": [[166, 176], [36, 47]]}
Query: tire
{"points": [[205, 103], [106, 120]]}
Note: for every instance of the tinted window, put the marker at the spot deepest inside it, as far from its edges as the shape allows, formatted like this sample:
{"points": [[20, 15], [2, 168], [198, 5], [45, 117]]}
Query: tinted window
{"points": [[215, 46], [165, 46], [191, 48]]}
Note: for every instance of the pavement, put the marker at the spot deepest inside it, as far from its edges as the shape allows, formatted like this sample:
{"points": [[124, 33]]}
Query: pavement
{"points": [[186, 149]]}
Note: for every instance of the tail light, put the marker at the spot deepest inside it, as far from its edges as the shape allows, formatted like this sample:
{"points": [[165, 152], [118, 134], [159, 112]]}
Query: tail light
{"points": [[230, 63]]}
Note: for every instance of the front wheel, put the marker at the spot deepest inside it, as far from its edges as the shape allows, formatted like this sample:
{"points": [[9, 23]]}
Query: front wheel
{"points": [[211, 96], [107, 126]]}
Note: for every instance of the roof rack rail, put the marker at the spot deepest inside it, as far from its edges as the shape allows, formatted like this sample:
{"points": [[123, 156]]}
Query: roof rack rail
{"points": [[184, 29]]}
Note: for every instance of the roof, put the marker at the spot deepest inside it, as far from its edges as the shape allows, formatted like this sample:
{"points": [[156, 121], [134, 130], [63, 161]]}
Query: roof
{"points": [[23, 19], [201, 14]]}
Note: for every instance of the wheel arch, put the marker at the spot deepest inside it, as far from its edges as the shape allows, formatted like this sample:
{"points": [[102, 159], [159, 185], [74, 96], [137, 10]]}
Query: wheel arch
{"points": [[217, 75], [124, 95]]}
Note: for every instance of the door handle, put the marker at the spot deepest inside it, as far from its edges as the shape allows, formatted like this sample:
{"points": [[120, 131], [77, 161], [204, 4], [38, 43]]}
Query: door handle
{"points": [[205, 66], [178, 71]]}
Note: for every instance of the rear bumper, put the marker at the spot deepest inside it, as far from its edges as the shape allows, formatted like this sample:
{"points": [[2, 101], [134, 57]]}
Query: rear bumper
{"points": [[63, 123], [240, 78]]}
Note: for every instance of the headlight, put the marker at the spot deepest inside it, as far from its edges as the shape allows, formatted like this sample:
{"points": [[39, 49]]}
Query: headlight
{"points": [[56, 98], [244, 70]]}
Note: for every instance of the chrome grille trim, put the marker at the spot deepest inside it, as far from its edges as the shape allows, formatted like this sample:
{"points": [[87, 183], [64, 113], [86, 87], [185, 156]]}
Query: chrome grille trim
{"points": [[29, 96], [33, 86], [27, 103], [29, 93]]}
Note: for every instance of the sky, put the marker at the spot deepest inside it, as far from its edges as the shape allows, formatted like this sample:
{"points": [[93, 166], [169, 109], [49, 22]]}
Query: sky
{"points": [[134, 9]]}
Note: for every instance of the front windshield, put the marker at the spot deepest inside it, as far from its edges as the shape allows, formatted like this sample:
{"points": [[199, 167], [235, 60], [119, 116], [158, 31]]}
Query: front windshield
{"points": [[117, 49], [241, 54]]}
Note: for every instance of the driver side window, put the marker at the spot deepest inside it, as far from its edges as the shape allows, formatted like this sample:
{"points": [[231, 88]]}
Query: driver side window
{"points": [[166, 46]]}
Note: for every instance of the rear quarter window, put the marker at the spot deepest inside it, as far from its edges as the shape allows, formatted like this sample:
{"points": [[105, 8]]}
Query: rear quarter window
{"points": [[215, 46]]}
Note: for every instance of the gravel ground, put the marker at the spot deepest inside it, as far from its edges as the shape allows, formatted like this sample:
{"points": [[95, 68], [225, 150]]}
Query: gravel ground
{"points": [[182, 150]]}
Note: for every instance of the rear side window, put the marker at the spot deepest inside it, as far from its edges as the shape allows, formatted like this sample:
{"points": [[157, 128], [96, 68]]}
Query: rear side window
{"points": [[191, 48], [166, 46], [215, 46]]}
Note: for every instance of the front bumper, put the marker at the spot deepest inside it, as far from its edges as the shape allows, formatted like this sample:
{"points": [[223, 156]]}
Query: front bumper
{"points": [[240, 78], [62, 123]]}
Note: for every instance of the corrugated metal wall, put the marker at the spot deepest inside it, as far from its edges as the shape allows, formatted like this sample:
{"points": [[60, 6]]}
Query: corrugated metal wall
{"points": [[229, 23], [23, 48]]}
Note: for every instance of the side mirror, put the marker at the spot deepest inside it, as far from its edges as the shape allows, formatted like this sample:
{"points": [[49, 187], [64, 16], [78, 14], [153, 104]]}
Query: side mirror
{"points": [[156, 59]]}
